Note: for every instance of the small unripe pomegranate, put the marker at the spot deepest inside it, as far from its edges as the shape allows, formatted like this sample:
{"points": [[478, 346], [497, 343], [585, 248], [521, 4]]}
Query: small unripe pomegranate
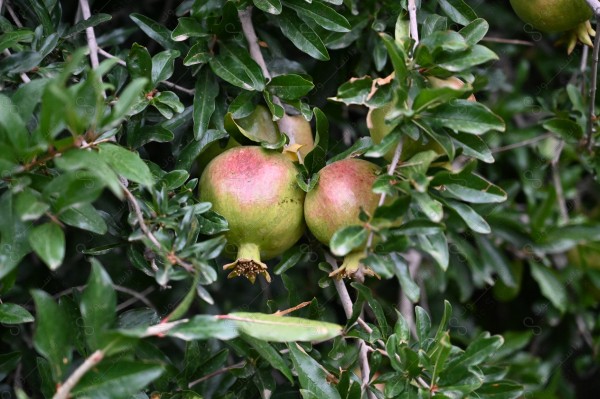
{"points": [[300, 134], [571, 16], [344, 188], [256, 191]]}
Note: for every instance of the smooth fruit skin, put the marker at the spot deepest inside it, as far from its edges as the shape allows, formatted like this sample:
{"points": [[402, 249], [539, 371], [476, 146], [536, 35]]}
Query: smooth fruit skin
{"points": [[300, 134], [256, 191], [552, 15], [344, 187]]}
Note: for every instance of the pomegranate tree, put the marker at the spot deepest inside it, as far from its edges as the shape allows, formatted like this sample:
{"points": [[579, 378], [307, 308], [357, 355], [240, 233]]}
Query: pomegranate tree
{"points": [[256, 191], [343, 189]]}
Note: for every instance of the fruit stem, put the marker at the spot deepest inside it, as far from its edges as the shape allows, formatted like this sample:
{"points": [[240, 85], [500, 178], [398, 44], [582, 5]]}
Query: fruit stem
{"points": [[352, 265], [248, 263]]}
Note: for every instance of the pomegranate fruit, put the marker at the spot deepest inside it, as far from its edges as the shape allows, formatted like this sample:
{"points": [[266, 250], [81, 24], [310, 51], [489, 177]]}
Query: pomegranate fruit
{"points": [[558, 16], [343, 189], [256, 191], [300, 134]]}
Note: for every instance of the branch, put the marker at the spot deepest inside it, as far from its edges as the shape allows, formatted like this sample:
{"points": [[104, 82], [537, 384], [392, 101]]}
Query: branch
{"points": [[215, 373], [89, 32], [523, 143], [65, 389], [412, 15], [250, 34], [340, 286], [560, 196], [595, 6], [594, 79], [140, 218]]}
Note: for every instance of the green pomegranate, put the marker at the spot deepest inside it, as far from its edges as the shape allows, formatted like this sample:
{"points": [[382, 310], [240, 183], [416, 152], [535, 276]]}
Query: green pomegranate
{"points": [[343, 189], [558, 16], [256, 191]]}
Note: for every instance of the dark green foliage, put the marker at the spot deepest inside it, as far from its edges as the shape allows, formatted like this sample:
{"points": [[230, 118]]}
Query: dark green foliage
{"points": [[486, 249]]}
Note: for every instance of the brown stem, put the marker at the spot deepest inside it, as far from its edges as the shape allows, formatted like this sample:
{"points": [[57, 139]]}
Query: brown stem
{"points": [[217, 372], [65, 389]]}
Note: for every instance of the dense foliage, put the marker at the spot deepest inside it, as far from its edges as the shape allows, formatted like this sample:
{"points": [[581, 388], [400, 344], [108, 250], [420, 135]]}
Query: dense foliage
{"points": [[478, 275]]}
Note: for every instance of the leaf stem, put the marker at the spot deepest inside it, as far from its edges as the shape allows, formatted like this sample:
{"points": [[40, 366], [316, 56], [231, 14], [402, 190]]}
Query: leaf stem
{"points": [[65, 389]]}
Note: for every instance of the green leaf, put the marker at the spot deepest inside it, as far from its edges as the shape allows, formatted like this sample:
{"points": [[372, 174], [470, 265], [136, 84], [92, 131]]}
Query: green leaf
{"points": [[12, 127], [48, 242], [50, 338], [207, 90], [234, 65], [348, 239], [436, 245], [467, 116], [204, 327], [147, 134], [566, 128], [409, 287], [98, 304], [127, 99], [82, 25], [198, 54], [422, 324], [268, 353], [355, 91], [552, 288], [270, 6], [312, 375], [11, 313], [500, 390], [9, 39], [289, 87], [163, 65], [458, 11], [473, 220], [458, 62], [496, 260], [302, 36], [475, 31], [323, 15], [126, 163], [85, 217], [118, 379], [473, 146], [187, 27], [478, 351], [186, 302], [469, 187], [274, 328], [156, 32]]}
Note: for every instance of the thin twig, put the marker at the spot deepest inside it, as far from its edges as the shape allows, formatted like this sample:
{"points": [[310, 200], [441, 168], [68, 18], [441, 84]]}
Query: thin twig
{"points": [[14, 16], [140, 218], [560, 196], [342, 291], [182, 89], [217, 372], [365, 368], [594, 81], [507, 41], [109, 55], [250, 34], [523, 143], [136, 296], [292, 309], [89, 32], [65, 389], [391, 170]]}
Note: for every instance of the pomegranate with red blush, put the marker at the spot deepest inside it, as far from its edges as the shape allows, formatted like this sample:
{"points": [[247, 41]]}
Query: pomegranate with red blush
{"points": [[256, 191], [343, 189]]}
